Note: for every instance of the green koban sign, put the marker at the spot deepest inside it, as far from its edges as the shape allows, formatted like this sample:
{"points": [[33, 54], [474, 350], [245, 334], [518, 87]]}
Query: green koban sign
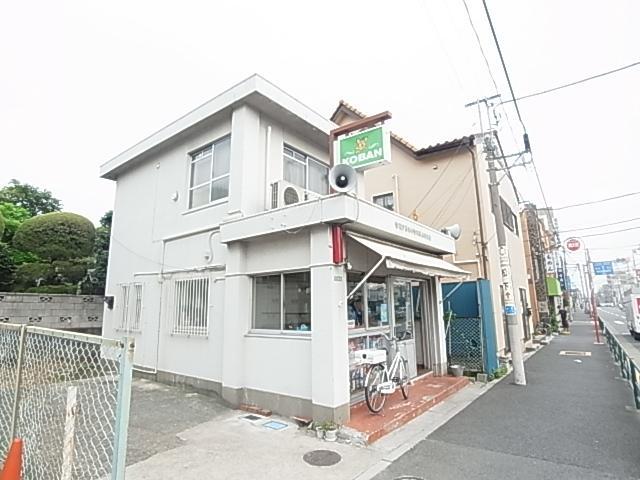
{"points": [[363, 149]]}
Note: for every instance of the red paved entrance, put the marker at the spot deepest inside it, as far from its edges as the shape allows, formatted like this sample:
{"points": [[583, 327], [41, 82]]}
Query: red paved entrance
{"points": [[424, 393]]}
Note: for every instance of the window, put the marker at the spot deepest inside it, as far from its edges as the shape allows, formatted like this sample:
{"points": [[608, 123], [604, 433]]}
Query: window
{"points": [[385, 200], [368, 307], [305, 171], [130, 307], [282, 302], [189, 309], [209, 175], [508, 217]]}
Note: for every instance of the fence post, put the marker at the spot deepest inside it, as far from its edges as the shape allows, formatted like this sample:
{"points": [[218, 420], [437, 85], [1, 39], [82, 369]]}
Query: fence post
{"points": [[68, 449], [18, 384], [122, 410], [634, 384]]}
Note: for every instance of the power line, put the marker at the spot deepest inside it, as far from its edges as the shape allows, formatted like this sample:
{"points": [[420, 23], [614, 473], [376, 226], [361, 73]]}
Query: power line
{"points": [[466, 7], [577, 82], [597, 201], [599, 226], [504, 66], [609, 233]]}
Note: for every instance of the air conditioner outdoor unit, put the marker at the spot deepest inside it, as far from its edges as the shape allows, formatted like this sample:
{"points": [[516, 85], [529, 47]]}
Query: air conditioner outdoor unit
{"points": [[284, 194]]}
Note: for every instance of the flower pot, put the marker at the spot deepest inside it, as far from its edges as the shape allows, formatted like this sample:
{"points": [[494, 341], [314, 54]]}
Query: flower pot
{"points": [[331, 435], [457, 370], [319, 433]]}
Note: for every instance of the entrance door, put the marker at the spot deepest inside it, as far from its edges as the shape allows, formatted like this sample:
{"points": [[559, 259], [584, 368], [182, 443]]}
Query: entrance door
{"points": [[422, 332], [403, 326]]}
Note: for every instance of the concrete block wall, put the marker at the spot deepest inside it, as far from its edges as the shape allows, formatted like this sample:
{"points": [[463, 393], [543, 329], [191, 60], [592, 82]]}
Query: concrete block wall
{"points": [[63, 312]]}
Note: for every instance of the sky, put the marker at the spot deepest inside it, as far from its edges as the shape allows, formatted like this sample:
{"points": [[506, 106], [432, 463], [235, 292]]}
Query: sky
{"points": [[84, 80]]}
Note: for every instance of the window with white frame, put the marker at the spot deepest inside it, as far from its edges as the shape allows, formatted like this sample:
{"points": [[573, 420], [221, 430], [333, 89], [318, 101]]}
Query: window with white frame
{"points": [[130, 310], [385, 200], [209, 173], [282, 302], [189, 306], [305, 171]]}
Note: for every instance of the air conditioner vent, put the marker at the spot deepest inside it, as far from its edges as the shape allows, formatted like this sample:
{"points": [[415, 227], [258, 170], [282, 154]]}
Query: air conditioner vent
{"points": [[290, 196]]}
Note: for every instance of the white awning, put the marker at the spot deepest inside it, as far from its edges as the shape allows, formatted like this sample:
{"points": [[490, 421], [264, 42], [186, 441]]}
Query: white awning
{"points": [[397, 258]]}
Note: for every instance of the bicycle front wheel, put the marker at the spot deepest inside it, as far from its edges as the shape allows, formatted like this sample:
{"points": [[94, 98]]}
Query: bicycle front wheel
{"points": [[372, 394], [403, 378]]}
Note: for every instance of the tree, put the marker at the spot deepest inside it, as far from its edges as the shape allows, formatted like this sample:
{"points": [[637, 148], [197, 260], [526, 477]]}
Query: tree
{"points": [[56, 236], [101, 252], [2, 225], [13, 216], [7, 267], [35, 200]]}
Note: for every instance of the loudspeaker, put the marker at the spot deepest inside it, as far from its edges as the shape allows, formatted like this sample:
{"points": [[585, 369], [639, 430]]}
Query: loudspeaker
{"points": [[342, 178], [453, 231]]}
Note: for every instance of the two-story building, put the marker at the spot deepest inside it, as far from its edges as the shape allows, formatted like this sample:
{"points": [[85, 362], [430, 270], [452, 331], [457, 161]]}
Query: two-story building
{"points": [[237, 270], [448, 183]]}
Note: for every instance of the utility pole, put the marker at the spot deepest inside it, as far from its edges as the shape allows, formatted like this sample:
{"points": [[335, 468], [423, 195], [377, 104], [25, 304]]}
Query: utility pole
{"points": [[513, 330]]}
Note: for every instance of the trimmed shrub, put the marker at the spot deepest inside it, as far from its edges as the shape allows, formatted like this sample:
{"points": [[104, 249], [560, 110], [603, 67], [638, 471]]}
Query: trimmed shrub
{"points": [[70, 271], [30, 274], [64, 288], [56, 236]]}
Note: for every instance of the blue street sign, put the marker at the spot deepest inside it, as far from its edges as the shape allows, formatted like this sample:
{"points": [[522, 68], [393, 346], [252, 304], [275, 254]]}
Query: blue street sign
{"points": [[510, 309], [603, 268]]}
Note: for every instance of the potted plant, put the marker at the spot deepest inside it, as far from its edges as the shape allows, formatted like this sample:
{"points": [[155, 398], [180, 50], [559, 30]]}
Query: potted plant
{"points": [[330, 431], [318, 428]]}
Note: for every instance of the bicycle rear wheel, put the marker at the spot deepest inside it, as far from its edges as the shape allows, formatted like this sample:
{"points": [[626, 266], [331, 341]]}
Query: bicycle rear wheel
{"points": [[403, 378], [374, 398]]}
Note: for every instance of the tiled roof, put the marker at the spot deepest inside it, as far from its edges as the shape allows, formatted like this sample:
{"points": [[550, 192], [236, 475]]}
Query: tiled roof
{"points": [[438, 147], [355, 111]]}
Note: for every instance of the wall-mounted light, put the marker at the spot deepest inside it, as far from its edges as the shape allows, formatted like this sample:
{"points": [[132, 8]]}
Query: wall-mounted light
{"points": [[175, 195]]}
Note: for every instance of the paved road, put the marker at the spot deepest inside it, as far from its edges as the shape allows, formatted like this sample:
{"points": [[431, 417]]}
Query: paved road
{"points": [[572, 420], [616, 321]]}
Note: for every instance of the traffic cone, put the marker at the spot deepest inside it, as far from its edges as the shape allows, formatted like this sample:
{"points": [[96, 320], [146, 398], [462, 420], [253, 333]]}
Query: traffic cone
{"points": [[13, 465]]}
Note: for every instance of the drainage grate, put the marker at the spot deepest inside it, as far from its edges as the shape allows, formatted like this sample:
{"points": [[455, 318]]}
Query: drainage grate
{"points": [[575, 353], [321, 458], [252, 418], [408, 477], [273, 425]]}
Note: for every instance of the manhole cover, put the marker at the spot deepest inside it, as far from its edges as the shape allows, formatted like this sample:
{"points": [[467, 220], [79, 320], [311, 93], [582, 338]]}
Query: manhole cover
{"points": [[575, 353], [321, 458]]}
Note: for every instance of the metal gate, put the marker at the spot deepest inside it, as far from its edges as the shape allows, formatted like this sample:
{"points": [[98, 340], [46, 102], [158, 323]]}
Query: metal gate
{"points": [[465, 343]]}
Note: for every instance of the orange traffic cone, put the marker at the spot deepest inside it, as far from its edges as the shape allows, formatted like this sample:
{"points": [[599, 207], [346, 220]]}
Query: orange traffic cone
{"points": [[13, 465]]}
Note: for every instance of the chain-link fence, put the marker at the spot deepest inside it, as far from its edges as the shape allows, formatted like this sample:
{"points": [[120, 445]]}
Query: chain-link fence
{"points": [[465, 343], [67, 396]]}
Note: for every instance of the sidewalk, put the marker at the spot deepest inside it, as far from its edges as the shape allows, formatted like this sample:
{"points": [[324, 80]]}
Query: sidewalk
{"points": [[574, 419]]}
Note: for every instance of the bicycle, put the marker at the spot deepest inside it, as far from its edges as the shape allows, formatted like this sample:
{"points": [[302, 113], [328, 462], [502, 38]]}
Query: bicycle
{"points": [[382, 380]]}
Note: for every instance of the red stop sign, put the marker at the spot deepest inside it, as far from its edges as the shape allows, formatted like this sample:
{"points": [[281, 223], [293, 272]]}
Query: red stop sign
{"points": [[573, 244]]}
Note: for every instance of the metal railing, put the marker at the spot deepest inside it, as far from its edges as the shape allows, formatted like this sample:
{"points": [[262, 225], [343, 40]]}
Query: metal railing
{"points": [[629, 369], [67, 396]]}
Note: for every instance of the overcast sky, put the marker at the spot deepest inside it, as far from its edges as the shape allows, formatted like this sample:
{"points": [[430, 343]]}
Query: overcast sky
{"points": [[83, 80]]}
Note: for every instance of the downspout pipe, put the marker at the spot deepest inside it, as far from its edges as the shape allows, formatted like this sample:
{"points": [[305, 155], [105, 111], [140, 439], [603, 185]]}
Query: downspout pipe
{"points": [[483, 244]]}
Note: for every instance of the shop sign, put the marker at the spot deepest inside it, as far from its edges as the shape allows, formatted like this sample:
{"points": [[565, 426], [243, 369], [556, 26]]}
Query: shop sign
{"points": [[364, 149]]}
